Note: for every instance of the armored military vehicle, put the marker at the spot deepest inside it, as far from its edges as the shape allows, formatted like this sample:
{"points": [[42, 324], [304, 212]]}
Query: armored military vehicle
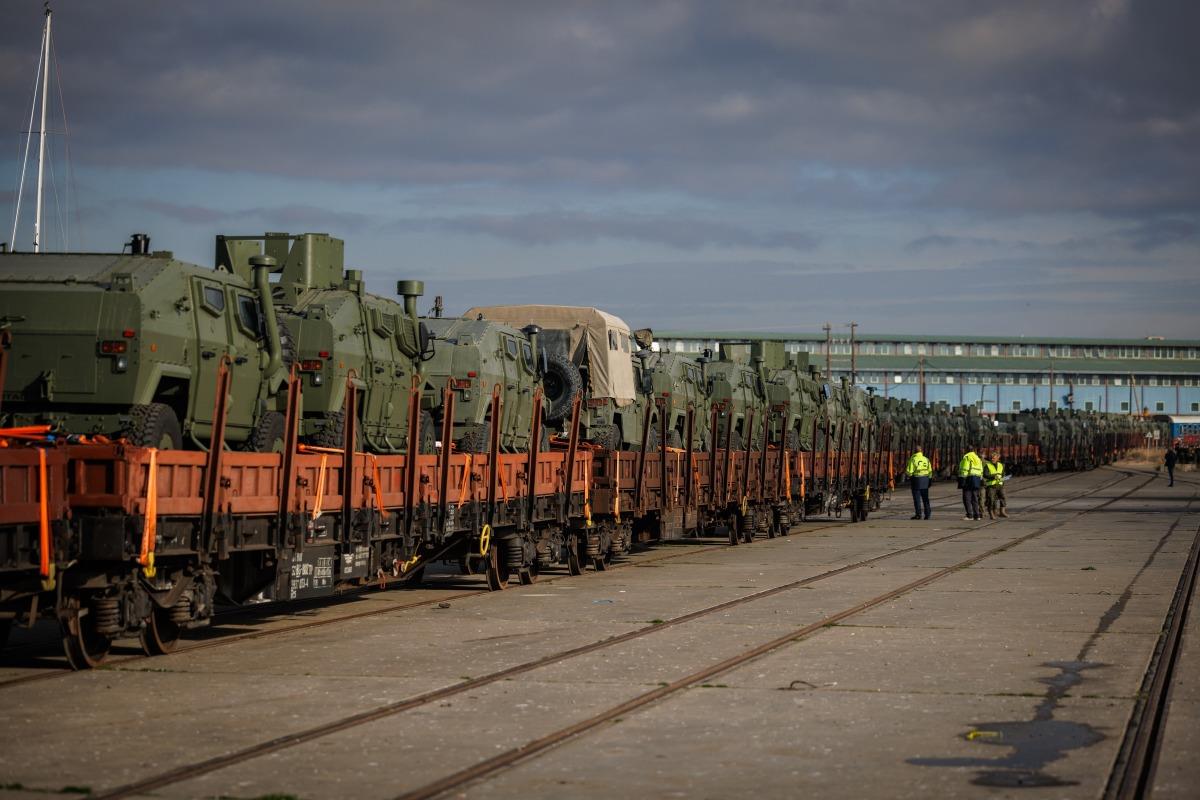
{"points": [[341, 331], [130, 344], [675, 382], [737, 392], [475, 355], [585, 349], [793, 393]]}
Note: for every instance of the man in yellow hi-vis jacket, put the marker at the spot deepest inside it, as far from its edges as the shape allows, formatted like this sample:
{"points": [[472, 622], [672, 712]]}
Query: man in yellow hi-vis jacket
{"points": [[993, 486], [970, 472], [919, 472]]}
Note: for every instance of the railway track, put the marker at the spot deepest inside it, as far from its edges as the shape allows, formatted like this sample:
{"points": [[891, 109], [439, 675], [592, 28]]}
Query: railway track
{"points": [[483, 768], [1133, 771], [63, 670]]}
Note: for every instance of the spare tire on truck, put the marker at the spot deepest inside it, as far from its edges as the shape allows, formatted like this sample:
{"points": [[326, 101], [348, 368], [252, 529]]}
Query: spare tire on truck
{"points": [[560, 383]]}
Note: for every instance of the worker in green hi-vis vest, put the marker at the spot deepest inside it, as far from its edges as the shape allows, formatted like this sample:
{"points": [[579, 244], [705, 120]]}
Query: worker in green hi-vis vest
{"points": [[970, 475]]}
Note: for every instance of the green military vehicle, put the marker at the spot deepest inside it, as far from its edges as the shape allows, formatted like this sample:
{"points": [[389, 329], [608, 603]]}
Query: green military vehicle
{"points": [[585, 349], [475, 355], [736, 391], [676, 384], [794, 394], [130, 344], [343, 332]]}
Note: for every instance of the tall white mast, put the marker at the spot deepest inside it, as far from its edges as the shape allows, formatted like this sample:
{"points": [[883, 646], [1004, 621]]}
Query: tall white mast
{"points": [[37, 219]]}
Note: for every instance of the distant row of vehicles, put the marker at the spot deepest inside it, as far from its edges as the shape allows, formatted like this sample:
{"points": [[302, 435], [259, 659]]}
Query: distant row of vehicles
{"points": [[177, 436]]}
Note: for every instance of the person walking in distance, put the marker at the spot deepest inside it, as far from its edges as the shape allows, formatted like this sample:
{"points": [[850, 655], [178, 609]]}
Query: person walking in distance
{"points": [[993, 486], [919, 472], [970, 471], [1169, 460]]}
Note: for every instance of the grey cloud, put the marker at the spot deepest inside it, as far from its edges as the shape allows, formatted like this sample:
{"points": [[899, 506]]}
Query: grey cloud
{"points": [[1001, 106], [296, 216], [1156, 233], [558, 227]]}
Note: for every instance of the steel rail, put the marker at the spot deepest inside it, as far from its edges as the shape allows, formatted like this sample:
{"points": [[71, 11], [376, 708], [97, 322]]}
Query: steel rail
{"points": [[1133, 771], [189, 771]]}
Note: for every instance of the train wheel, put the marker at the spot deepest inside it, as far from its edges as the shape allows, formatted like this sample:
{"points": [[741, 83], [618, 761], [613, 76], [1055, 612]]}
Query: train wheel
{"points": [[599, 564], [85, 648], [160, 634], [497, 573], [772, 527], [573, 565], [748, 531], [734, 534], [528, 575], [853, 510]]}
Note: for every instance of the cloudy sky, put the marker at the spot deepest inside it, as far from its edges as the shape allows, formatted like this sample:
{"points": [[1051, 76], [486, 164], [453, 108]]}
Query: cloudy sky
{"points": [[920, 167]]}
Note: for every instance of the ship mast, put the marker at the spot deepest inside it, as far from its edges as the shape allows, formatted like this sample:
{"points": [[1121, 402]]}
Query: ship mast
{"points": [[37, 219]]}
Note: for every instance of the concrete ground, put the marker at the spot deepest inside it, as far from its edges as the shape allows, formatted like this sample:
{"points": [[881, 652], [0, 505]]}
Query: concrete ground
{"points": [[1013, 675]]}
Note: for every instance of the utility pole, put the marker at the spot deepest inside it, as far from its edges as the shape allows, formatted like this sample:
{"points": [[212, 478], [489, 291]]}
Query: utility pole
{"points": [[1051, 400], [828, 348], [853, 355], [921, 376]]}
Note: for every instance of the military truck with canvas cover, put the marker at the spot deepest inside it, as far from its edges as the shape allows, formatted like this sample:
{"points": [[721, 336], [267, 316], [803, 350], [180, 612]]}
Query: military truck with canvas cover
{"points": [[585, 349], [341, 331], [130, 344]]}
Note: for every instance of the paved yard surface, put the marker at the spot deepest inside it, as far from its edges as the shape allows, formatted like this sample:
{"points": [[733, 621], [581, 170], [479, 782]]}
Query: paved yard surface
{"points": [[910, 659]]}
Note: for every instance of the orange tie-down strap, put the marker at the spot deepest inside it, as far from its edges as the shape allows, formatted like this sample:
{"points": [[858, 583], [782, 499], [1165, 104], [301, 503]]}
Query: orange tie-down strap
{"points": [[503, 485], [43, 516], [787, 477], [150, 525], [377, 482], [803, 479], [316, 511], [465, 486]]}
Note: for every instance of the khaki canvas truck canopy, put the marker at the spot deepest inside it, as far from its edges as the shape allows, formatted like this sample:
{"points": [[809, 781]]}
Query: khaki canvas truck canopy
{"points": [[604, 339]]}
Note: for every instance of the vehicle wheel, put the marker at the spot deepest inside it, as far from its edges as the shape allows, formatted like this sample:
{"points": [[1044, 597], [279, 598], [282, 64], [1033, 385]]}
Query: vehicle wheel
{"points": [[476, 439], [427, 435], [268, 434], [652, 441], [573, 565], [735, 537], [333, 432], [560, 383], [497, 571], [160, 634], [154, 425], [599, 564], [607, 437], [83, 646]]}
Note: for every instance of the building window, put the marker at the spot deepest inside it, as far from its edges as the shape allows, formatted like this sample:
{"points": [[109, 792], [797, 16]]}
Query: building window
{"points": [[908, 351], [1188, 381], [885, 349], [935, 379], [899, 379], [979, 350], [949, 379], [1016, 405], [1117, 382], [1045, 380], [1124, 405], [921, 349], [1095, 380], [1160, 406], [1088, 406], [1023, 380], [943, 349], [912, 378], [971, 379], [1153, 381], [958, 349], [1195, 406], [1008, 379]]}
